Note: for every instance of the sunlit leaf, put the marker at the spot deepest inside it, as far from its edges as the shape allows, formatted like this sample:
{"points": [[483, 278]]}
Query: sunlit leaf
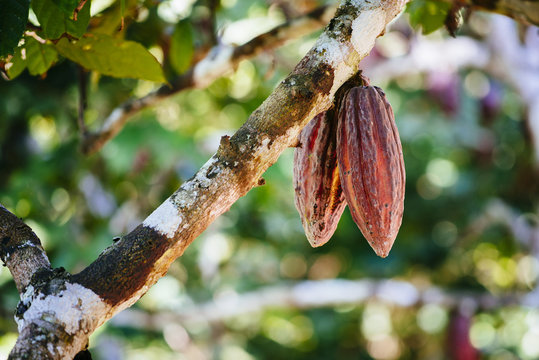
{"points": [[428, 14], [110, 20], [39, 57], [113, 57], [16, 64], [56, 22], [13, 18]]}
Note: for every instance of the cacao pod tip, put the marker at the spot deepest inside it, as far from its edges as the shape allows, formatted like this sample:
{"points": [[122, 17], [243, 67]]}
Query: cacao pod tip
{"points": [[382, 251], [315, 243], [316, 239]]}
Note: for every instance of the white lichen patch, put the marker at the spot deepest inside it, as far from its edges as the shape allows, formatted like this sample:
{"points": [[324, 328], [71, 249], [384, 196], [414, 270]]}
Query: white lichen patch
{"points": [[28, 295], [332, 51], [76, 309], [264, 145], [165, 219], [193, 190], [23, 245], [342, 73], [213, 66], [366, 28], [201, 179]]}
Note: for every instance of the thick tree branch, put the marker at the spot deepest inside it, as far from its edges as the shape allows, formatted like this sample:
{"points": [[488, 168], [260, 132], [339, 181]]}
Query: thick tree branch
{"points": [[126, 270], [20, 249], [218, 62]]}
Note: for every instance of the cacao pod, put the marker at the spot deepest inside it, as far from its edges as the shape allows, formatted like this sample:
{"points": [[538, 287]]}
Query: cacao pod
{"points": [[371, 165], [318, 194]]}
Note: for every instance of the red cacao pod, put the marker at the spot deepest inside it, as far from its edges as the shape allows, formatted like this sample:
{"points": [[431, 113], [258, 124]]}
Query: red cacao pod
{"points": [[371, 165], [318, 194]]}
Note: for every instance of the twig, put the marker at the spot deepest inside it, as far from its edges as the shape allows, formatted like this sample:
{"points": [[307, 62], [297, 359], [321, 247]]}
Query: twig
{"points": [[317, 294], [524, 11], [78, 9], [218, 62], [20, 249]]}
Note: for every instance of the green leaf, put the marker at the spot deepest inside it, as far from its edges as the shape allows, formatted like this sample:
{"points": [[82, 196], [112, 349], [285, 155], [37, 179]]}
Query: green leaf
{"points": [[113, 57], [122, 8], [67, 6], [429, 14], [181, 47], [39, 57], [13, 18], [56, 22], [110, 20], [16, 64]]}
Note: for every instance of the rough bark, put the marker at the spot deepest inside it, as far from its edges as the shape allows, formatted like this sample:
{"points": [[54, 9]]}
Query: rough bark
{"points": [[20, 249]]}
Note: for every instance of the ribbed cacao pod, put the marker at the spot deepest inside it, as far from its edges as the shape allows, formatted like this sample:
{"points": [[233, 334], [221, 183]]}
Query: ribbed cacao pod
{"points": [[318, 193], [371, 165]]}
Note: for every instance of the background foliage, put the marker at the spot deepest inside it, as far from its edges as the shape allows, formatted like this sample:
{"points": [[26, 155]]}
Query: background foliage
{"points": [[466, 148]]}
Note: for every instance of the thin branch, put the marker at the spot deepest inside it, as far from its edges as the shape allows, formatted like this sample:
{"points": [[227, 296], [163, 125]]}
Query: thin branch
{"points": [[523, 11], [20, 249], [220, 60], [78, 9], [320, 293], [130, 266]]}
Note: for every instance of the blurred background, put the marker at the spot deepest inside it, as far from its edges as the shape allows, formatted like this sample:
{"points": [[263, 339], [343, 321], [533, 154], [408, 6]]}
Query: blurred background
{"points": [[460, 281]]}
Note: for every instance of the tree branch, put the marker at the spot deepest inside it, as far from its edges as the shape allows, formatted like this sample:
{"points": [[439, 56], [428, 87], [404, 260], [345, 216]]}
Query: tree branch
{"points": [[20, 249], [523, 11], [219, 61], [320, 293], [78, 304]]}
